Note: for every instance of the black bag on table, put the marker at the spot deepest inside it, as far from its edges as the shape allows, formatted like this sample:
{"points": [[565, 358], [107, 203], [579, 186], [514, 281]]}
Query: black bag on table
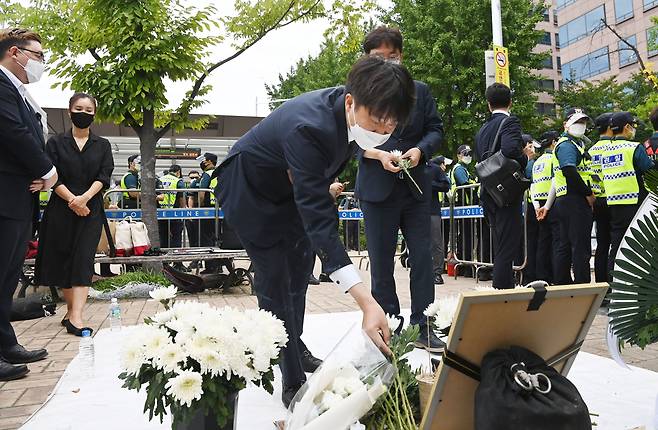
{"points": [[501, 177], [31, 307], [519, 391]]}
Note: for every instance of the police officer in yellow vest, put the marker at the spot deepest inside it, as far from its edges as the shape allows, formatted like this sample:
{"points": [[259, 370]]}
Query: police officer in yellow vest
{"points": [[548, 235], [532, 225], [601, 212], [131, 181], [171, 230], [208, 162], [574, 201], [624, 162], [459, 176]]}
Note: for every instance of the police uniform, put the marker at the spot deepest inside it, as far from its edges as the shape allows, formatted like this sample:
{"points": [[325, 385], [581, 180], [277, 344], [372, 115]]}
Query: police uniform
{"points": [[459, 176], [623, 163], [209, 237], [171, 231], [574, 212], [532, 225], [548, 230], [601, 213], [129, 181]]}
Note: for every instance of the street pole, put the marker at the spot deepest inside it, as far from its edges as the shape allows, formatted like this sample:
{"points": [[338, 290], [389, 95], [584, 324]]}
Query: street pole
{"points": [[496, 23]]}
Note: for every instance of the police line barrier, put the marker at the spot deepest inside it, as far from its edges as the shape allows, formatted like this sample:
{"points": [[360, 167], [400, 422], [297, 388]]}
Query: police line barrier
{"points": [[471, 238]]}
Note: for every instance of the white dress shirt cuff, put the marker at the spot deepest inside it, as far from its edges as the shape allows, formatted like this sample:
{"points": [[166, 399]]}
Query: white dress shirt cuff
{"points": [[50, 174], [346, 277]]}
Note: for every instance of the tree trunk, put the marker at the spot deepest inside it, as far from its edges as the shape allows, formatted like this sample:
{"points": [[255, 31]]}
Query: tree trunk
{"points": [[147, 143]]}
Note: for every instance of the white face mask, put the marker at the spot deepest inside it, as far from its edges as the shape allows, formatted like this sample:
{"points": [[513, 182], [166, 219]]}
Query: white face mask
{"points": [[366, 139], [577, 130], [138, 167], [467, 159], [632, 134], [33, 68]]}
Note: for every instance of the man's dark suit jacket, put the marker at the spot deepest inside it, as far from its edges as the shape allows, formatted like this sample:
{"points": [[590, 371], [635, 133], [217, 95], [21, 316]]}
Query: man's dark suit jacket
{"points": [[510, 144], [423, 130], [22, 156], [303, 141]]}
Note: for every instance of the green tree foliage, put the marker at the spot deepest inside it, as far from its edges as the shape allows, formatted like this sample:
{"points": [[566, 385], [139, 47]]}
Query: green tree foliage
{"points": [[127, 52], [606, 96]]}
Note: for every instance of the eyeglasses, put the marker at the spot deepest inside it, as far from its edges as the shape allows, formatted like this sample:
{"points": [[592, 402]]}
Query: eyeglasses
{"points": [[40, 55]]}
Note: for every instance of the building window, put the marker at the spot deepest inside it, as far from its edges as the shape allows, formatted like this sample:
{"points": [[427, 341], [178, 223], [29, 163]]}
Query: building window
{"points": [[546, 39], [554, 17], [627, 55], [652, 41], [559, 64], [545, 84], [582, 26], [546, 15], [546, 109], [587, 66], [547, 63], [557, 40], [648, 4], [564, 3], [623, 10]]}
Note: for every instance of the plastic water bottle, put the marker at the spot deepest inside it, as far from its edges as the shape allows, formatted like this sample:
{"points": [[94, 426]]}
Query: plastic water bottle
{"points": [[86, 355], [115, 315]]}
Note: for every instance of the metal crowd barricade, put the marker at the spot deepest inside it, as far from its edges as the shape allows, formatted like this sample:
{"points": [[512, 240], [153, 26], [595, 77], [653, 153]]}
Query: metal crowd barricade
{"points": [[191, 217], [471, 238]]}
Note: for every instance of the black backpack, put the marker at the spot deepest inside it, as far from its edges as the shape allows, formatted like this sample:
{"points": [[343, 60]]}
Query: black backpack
{"points": [[501, 177], [519, 391]]}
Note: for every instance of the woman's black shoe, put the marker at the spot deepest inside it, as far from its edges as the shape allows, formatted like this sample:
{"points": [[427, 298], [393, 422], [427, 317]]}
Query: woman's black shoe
{"points": [[70, 328], [64, 321]]}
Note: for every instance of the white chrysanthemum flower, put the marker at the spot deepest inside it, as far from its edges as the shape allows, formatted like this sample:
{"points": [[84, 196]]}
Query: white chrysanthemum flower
{"points": [[446, 313], [432, 309], [169, 357], [155, 341], [132, 357], [393, 322], [211, 363], [352, 385], [163, 293], [328, 400], [163, 317], [186, 387], [396, 153]]}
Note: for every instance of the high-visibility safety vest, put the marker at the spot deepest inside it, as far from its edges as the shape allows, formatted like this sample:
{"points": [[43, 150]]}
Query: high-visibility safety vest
{"points": [[453, 183], [169, 182], [213, 184], [582, 167], [596, 152], [124, 186], [44, 196], [542, 175], [619, 175]]}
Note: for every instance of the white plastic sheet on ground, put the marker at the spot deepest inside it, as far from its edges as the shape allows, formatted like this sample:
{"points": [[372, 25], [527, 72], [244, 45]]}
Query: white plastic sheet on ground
{"points": [[624, 399]]}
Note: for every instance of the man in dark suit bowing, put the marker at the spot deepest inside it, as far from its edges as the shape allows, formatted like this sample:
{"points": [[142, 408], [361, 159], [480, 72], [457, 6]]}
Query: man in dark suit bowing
{"points": [[274, 190], [506, 222], [391, 201], [24, 167]]}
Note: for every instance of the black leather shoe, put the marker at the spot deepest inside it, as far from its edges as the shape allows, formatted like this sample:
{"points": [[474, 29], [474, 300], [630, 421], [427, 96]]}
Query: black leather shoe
{"points": [[288, 394], [63, 323], [438, 280], [325, 278], [19, 355], [310, 363], [312, 280], [431, 343], [484, 275], [70, 328], [9, 372]]}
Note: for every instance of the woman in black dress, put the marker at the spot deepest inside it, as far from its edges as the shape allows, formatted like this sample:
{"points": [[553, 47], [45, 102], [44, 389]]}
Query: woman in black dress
{"points": [[73, 220]]}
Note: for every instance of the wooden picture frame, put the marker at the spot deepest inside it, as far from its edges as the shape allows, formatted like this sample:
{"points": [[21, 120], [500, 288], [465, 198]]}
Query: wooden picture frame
{"points": [[489, 320]]}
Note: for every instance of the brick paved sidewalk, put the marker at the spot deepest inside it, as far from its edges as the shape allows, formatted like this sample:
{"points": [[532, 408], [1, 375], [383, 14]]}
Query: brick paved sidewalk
{"points": [[19, 399]]}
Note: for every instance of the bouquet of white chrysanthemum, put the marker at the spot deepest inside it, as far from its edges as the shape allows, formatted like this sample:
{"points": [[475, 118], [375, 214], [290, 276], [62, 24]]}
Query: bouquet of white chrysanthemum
{"points": [[344, 388], [194, 358], [440, 314], [405, 165]]}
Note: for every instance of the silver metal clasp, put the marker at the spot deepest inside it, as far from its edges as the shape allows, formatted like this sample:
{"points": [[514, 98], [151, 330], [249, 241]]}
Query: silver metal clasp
{"points": [[531, 381]]}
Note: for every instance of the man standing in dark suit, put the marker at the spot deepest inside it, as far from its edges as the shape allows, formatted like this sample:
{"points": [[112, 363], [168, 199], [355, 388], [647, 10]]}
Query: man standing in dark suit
{"points": [[274, 190], [506, 222], [24, 167], [391, 201]]}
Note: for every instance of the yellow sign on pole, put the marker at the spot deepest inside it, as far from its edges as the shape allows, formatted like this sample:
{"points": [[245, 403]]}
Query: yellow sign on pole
{"points": [[501, 59]]}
